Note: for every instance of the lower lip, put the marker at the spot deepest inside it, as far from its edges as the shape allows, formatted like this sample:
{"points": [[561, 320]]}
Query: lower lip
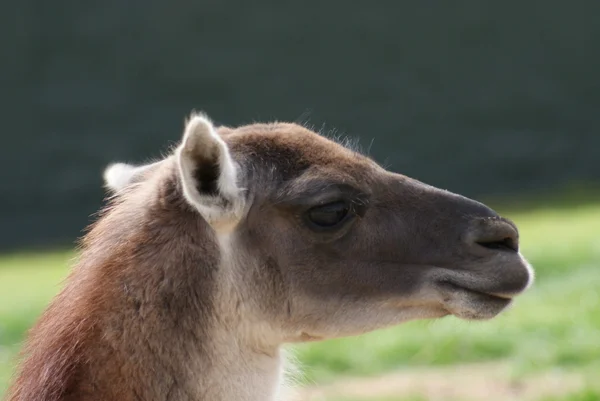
{"points": [[485, 294]]}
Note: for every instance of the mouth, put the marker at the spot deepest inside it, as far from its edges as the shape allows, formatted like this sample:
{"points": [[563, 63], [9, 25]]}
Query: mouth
{"points": [[482, 291], [458, 288], [470, 304]]}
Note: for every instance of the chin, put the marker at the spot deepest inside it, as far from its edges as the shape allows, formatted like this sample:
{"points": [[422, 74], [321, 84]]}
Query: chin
{"points": [[473, 305]]}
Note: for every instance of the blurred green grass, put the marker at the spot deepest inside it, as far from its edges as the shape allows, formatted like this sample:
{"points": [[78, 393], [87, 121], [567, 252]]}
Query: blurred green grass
{"points": [[555, 326], [587, 394]]}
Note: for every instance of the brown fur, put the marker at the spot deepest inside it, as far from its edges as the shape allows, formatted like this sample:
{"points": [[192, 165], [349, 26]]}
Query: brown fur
{"points": [[162, 306]]}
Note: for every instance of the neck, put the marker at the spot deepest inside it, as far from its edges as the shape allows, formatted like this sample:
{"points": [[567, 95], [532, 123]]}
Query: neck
{"points": [[134, 323], [240, 373], [161, 353], [245, 353]]}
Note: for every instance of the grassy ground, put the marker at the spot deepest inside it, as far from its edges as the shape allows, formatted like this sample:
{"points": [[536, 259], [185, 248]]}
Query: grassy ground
{"points": [[553, 329]]}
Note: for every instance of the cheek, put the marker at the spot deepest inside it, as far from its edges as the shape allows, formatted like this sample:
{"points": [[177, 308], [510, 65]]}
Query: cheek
{"points": [[364, 263], [363, 280]]}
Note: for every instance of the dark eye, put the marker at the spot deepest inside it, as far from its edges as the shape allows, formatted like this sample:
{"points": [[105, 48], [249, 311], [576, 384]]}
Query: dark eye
{"points": [[329, 215]]}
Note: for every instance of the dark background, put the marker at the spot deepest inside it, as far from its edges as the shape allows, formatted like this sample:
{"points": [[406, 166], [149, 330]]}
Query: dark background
{"points": [[482, 98]]}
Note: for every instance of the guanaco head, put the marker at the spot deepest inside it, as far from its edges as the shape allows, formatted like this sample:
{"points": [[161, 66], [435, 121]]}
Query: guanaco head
{"points": [[319, 241]]}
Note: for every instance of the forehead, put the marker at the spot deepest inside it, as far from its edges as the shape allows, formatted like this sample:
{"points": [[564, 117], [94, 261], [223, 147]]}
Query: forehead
{"points": [[294, 150]]}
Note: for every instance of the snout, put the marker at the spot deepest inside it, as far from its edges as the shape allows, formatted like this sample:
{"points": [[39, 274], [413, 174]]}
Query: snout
{"points": [[493, 273], [477, 267], [497, 267]]}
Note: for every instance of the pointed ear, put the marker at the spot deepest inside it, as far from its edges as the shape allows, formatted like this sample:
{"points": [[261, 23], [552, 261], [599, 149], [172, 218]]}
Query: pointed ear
{"points": [[208, 173], [120, 175]]}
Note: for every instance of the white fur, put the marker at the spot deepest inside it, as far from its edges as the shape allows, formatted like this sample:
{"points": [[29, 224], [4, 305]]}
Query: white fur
{"points": [[530, 272], [201, 139], [119, 175]]}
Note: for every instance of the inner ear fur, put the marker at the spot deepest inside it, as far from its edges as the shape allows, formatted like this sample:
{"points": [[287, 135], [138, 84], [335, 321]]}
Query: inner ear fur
{"points": [[207, 171]]}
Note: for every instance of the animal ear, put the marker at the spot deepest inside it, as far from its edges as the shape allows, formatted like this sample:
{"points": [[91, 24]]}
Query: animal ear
{"points": [[120, 175], [208, 173]]}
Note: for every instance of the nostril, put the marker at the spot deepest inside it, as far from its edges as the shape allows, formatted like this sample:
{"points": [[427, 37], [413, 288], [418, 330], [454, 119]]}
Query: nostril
{"points": [[506, 244], [495, 234]]}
